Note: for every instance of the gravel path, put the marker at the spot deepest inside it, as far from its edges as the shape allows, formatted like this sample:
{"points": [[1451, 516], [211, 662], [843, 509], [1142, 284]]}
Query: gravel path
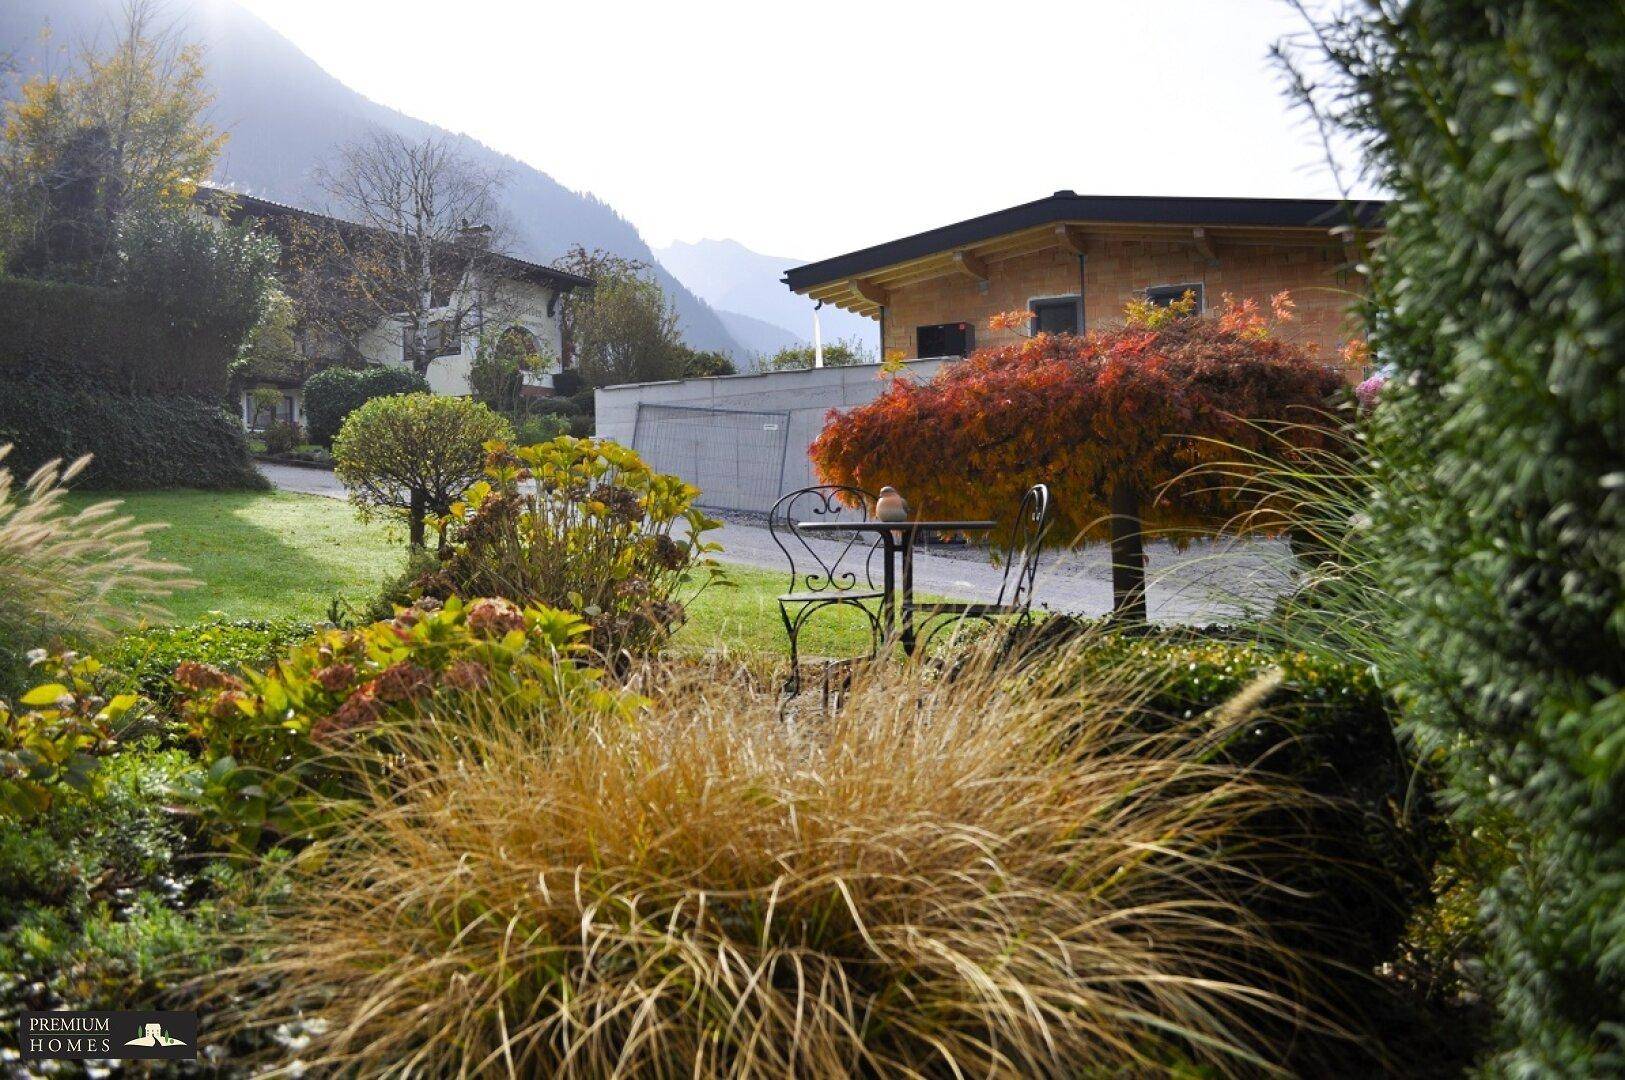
{"points": [[1209, 581]]}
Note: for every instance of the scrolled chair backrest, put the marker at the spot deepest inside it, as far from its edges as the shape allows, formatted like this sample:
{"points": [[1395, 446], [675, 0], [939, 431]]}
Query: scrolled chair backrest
{"points": [[825, 562], [1034, 516]]}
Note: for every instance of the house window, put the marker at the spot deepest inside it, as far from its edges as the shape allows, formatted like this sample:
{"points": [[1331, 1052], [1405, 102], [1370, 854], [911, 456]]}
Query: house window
{"points": [[1163, 295], [1055, 315], [945, 339], [443, 339]]}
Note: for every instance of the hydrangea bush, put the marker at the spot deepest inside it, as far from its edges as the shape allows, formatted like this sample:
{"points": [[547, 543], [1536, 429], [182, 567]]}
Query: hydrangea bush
{"points": [[275, 741], [581, 524]]}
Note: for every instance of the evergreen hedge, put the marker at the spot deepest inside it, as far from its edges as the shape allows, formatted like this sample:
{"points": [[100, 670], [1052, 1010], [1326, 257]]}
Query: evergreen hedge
{"points": [[334, 393], [1499, 298], [187, 294], [1327, 730], [139, 440]]}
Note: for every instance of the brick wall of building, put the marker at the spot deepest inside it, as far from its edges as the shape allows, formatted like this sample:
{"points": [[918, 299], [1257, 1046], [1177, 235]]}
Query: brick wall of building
{"points": [[1116, 270]]}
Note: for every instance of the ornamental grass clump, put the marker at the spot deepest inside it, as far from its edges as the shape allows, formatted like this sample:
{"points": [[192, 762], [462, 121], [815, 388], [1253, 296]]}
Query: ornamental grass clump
{"points": [[941, 879], [67, 576]]}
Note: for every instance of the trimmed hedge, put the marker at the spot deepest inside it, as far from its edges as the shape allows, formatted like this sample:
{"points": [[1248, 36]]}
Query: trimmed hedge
{"points": [[123, 341], [1326, 728], [334, 393], [149, 657], [139, 441]]}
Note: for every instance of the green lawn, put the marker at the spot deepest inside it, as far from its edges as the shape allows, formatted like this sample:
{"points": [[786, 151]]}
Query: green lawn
{"points": [[263, 554]]}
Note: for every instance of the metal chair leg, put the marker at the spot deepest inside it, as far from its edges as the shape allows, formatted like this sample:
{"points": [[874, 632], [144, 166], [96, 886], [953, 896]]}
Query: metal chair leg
{"points": [[792, 629]]}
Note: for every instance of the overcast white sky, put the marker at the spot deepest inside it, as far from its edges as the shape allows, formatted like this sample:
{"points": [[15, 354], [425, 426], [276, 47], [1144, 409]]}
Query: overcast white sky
{"points": [[810, 129]]}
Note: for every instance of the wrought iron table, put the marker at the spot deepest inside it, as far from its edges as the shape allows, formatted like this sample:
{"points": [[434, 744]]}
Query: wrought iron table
{"points": [[898, 538]]}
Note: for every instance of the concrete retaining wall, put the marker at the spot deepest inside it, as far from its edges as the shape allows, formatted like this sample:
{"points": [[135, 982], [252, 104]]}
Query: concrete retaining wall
{"points": [[730, 457]]}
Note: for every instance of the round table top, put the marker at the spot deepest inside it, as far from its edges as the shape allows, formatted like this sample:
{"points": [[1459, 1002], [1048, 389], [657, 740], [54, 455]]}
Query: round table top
{"points": [[914, 525]]}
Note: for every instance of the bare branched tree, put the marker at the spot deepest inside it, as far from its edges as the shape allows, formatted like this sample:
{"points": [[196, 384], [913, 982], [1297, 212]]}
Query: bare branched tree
{"points": [[417, 238]]}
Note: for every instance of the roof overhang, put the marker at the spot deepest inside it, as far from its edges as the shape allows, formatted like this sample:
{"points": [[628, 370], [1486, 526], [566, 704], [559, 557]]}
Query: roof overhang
{"points": [[234, 206], [860, 281]]}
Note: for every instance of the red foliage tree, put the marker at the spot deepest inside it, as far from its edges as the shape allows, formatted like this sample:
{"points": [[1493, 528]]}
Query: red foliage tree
{"points": [[1115, 420]]}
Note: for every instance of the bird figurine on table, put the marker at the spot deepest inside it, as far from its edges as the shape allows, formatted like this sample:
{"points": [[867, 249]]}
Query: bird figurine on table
{"points": [[891, 506]]}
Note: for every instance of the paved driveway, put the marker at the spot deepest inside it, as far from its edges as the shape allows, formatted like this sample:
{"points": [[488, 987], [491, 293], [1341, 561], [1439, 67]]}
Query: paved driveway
{"points": [[1208, 581], [306, 481]]}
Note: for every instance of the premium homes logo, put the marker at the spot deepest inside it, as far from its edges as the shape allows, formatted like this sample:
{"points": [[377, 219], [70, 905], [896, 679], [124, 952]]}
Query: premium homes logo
{"points": [[85, 1035]]}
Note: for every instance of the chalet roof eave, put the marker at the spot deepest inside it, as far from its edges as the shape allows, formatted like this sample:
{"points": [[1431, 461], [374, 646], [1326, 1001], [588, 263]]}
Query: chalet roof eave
{"points": [[524, 269], [1066, 206]]}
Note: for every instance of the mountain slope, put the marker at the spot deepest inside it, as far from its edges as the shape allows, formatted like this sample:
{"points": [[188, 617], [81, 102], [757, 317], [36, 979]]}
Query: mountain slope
{"points": [[731, 277], [757, 336], [285, 114]]}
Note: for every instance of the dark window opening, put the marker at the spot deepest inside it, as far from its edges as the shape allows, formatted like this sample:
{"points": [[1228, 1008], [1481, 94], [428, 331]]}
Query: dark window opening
{"points": [[945, 339], [1057, 315], [1163, 295], [443, 339]]}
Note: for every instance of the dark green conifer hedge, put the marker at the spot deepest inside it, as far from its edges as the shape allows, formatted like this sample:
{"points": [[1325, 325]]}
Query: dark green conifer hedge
{"points": [[1499, 299]]}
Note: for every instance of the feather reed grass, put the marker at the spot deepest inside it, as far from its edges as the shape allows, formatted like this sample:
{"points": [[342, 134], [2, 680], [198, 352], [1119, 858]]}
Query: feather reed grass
{"points": [[976, 876]]}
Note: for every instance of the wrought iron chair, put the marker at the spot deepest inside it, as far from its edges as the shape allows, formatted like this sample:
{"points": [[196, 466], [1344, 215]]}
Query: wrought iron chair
{"points": [[835, 569], [1034, 516]]}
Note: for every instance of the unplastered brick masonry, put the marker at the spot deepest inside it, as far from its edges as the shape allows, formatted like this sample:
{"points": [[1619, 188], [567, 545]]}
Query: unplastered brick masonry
{"points": [[1317, 275]]}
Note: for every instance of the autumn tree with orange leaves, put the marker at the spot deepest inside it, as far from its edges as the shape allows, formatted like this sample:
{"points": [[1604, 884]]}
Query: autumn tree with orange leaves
{"points": [[1118, 421]]}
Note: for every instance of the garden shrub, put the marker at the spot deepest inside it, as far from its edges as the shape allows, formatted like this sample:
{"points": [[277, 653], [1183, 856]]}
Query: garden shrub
{"points": [[926, 882], [568, 383], [137, 442], [582, 524], [52, 738], [270, 738], [148, 657], [1326, 727], [280, 437], [206, 283], [168, 336], [335, 392], [539, 428], [1499, 502], [107, 906], [413, 454]]}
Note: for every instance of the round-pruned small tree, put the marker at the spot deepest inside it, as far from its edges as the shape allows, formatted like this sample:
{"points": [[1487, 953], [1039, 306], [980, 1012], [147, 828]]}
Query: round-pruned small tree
{"points": [[1119, 421], [412, 455]]}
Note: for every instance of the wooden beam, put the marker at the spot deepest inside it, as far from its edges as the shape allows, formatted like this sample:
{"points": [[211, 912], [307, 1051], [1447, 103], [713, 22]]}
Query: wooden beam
{"points": [[1069, 238], [869, 291], [969, 264], [1204, 244]]}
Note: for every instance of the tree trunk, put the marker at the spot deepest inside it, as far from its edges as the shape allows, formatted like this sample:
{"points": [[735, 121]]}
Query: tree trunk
{"points": [[1128, 555], [414, 518]]}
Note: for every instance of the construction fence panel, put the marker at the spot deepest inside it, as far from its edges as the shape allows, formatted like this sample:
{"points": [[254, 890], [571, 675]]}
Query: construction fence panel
{"points": [[735, 457]]}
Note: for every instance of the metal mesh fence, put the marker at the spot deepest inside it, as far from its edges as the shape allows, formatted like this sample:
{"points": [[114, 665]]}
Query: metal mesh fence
{"points": [[735, 457]]}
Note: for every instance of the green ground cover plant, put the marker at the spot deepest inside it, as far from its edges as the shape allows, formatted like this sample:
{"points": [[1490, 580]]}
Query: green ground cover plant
{"points": [[148, 657]]}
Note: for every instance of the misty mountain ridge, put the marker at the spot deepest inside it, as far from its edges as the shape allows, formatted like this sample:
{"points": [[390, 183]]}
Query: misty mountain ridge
{"points": [[285, 114], [732, 278]]}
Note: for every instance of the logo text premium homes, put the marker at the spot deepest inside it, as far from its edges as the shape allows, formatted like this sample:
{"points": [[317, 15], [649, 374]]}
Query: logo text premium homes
{"points": [[82, 1035]]}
